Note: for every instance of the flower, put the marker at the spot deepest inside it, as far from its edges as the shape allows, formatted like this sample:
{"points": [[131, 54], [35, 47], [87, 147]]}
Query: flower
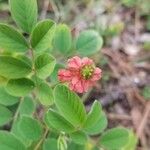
{"points": [[81, 74]]}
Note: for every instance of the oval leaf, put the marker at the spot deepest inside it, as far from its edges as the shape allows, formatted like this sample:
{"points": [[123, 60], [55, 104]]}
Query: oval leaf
{"points": [[69, 105], [62, 39], [13, 68], [115, 138], [44, 65], [27, 107], [98, 127], [10, 142], [42, 35], [45, 94], [19, 87], [94, 115], [6, 115], [58, 122], [11, 40], [6, 99], [24, 13], [89, 42], [30, 128]]}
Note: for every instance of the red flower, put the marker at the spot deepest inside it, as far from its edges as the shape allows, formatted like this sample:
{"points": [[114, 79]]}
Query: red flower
{"points": [[80, 74]]}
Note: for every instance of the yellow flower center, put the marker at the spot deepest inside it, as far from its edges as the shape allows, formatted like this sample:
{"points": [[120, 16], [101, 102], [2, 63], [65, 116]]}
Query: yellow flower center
{"points": [[87, 72]]}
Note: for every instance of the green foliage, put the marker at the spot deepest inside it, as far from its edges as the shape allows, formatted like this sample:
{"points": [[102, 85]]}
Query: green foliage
{"points": [[115, 138], [42, 35], [50, 143], [132, 141], [24, 13], [58, 122], [16, 132], [11, 40], [93, 115], [6, 99], [9, 142], [19, 87], [98, 127], [45, 94], [79, 137], [27, 106], [89, 42], [13, 68], [30, 128], [62, 39], [6, 115], [29, 72], [70, 106], [44, 65]]}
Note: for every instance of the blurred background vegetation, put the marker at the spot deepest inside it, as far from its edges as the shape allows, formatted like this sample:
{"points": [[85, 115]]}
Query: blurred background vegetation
{"points": [[124, 90]]}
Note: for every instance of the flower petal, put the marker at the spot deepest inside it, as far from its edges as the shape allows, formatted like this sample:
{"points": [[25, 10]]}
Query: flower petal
{"points": [[97, 74], [74, 63], [64, 75], [87, 61]]}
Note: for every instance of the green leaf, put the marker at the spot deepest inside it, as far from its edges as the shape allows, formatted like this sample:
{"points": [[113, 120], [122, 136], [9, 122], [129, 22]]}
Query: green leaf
{"points": [[9, 142], [13, 68], [98, 127], [45, 94], [44, 65], [70, 106], [50, 143], [27, 107], [94, 115], [6, 99], [17, 133], [6, 115], [132, 142], [25, 59], [62, 39], [11, 40], [19, 87], [24, 13], [115, 138], [89, 42], [30, 128], [42, 35], [79, 137], [56, 121]]}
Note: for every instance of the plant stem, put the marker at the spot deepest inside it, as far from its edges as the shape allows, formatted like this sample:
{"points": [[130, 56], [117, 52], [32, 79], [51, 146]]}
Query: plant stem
{"points": [[42, 139]]}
